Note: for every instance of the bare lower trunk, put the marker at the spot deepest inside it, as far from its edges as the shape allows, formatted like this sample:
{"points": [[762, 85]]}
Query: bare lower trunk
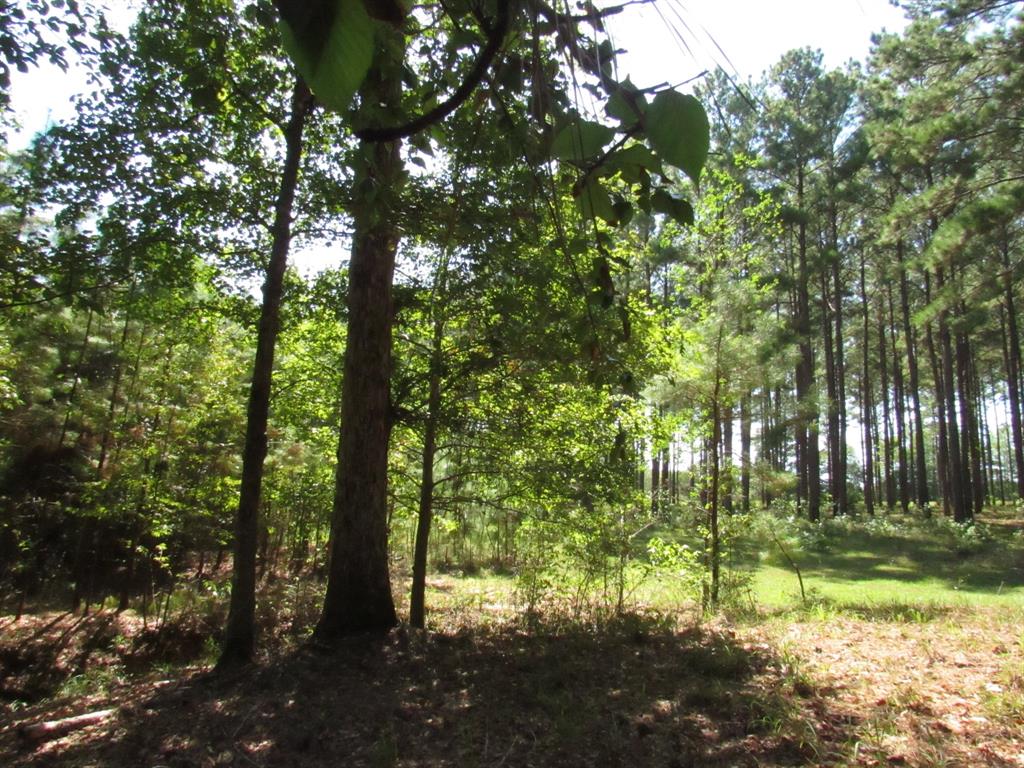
{"points": [[359, 595], [955, 468], [240, 633], [867, 407], [1013, 366], [417, 599], [920, 461], [899, 401]]}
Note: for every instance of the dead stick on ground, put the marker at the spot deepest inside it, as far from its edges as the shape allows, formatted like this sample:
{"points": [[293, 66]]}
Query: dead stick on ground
{"points": [[53, 729]]}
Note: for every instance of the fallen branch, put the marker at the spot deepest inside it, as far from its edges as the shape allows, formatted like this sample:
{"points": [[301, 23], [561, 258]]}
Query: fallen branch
{"points": [[53, 729]]}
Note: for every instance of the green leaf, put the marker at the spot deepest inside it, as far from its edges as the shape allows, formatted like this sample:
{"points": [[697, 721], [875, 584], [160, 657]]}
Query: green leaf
{"points": [[626, 104], [680, 210], [678, 130], [331, 43], [623, 210], [632, 162], [581, 140], [595, 202]]}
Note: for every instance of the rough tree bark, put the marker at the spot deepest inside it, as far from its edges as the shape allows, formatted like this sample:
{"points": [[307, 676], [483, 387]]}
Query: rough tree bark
{"points": [[1013, 366], [899, 403], [955, 473], [920, 460], [359, 595], [889, 484], [807, 430]]}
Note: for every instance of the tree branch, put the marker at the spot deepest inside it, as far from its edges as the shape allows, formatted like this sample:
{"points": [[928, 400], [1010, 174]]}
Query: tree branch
{"points": [[495, 38]]}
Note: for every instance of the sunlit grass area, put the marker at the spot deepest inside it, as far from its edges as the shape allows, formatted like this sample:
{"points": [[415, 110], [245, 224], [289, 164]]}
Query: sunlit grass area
{"points": [[890, 560], [855, 565], [777, 586]]}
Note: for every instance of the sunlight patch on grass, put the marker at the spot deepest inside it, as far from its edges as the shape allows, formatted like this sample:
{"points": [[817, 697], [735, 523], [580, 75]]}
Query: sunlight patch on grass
{"points": [[775, 586]]}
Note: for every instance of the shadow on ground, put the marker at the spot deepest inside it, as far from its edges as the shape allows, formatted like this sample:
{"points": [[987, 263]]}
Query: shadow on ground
{"points": [[40, 655], [633, 694]]}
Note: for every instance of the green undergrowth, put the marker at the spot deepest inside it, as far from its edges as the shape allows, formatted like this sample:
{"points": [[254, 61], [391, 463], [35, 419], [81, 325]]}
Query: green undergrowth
{"points": [[908, 568]]}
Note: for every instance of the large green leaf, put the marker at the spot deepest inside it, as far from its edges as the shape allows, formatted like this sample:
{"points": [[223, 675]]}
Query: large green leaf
{"points": [[331, 43], [678, 130], [595, 202], [680, 210], [632, 162], [581, 140], [626, 104]]}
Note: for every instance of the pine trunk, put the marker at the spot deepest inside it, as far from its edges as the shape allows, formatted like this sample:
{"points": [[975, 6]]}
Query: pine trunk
{"points": [[954, 473], [899, 402], [920, 459], [867, 408], [1013, 367], [745, 446], [889, 484], [358, 597], [832, 395]]}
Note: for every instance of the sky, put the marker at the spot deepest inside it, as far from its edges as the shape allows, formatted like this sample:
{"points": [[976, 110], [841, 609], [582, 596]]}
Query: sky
{"points": [[674, 40], [667, 41]]}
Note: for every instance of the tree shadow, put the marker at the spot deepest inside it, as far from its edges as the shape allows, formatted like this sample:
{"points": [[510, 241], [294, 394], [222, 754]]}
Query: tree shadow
{"points": [[634, 693], [34, 664]]}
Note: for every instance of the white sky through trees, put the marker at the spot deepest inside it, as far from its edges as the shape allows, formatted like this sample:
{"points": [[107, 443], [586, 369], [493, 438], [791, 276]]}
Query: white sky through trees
{"points": [[674, 40], [667, 41]]}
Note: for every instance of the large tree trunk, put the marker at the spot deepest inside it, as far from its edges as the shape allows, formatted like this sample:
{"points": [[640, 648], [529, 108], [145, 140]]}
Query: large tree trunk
{"points": [[745, 445], [1013, 392], [727, 463], [359, 595], [240, 633], [842, 502], [942, 461], [655, 479], [809, 455], [889, 484], [1013, 366], [831, 390], [899, 403], [955, 474], [971, 452], [714, 552]]}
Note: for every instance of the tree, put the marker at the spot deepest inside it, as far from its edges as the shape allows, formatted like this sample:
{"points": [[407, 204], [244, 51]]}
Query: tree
{"points": [[359, 594]]}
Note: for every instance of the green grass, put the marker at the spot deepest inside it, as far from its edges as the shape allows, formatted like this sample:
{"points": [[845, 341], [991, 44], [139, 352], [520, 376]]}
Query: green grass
{"points": [[888, 568], [913, 562], [776, 586]]}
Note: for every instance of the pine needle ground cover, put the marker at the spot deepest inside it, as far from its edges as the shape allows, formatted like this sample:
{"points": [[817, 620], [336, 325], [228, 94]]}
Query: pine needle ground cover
{"points": [[922, 678]]}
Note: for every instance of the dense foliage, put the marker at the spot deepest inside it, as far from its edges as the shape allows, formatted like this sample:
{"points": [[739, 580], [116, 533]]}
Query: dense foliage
{"points": [[560, 329]]}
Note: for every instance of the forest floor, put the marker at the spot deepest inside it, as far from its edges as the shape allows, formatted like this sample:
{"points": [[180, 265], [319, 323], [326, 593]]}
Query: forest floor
{"points": [[926, 683], [927, 690]]}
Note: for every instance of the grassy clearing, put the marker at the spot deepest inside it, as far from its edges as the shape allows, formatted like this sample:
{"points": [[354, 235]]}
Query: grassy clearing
{"points": [[915, 562]]}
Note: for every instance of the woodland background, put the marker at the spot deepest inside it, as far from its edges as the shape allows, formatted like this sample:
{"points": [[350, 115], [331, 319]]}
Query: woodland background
{"points": [[635, 340]]}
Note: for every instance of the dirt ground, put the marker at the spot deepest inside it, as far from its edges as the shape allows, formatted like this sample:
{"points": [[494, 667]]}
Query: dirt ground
{"points": [[942, 690]]}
